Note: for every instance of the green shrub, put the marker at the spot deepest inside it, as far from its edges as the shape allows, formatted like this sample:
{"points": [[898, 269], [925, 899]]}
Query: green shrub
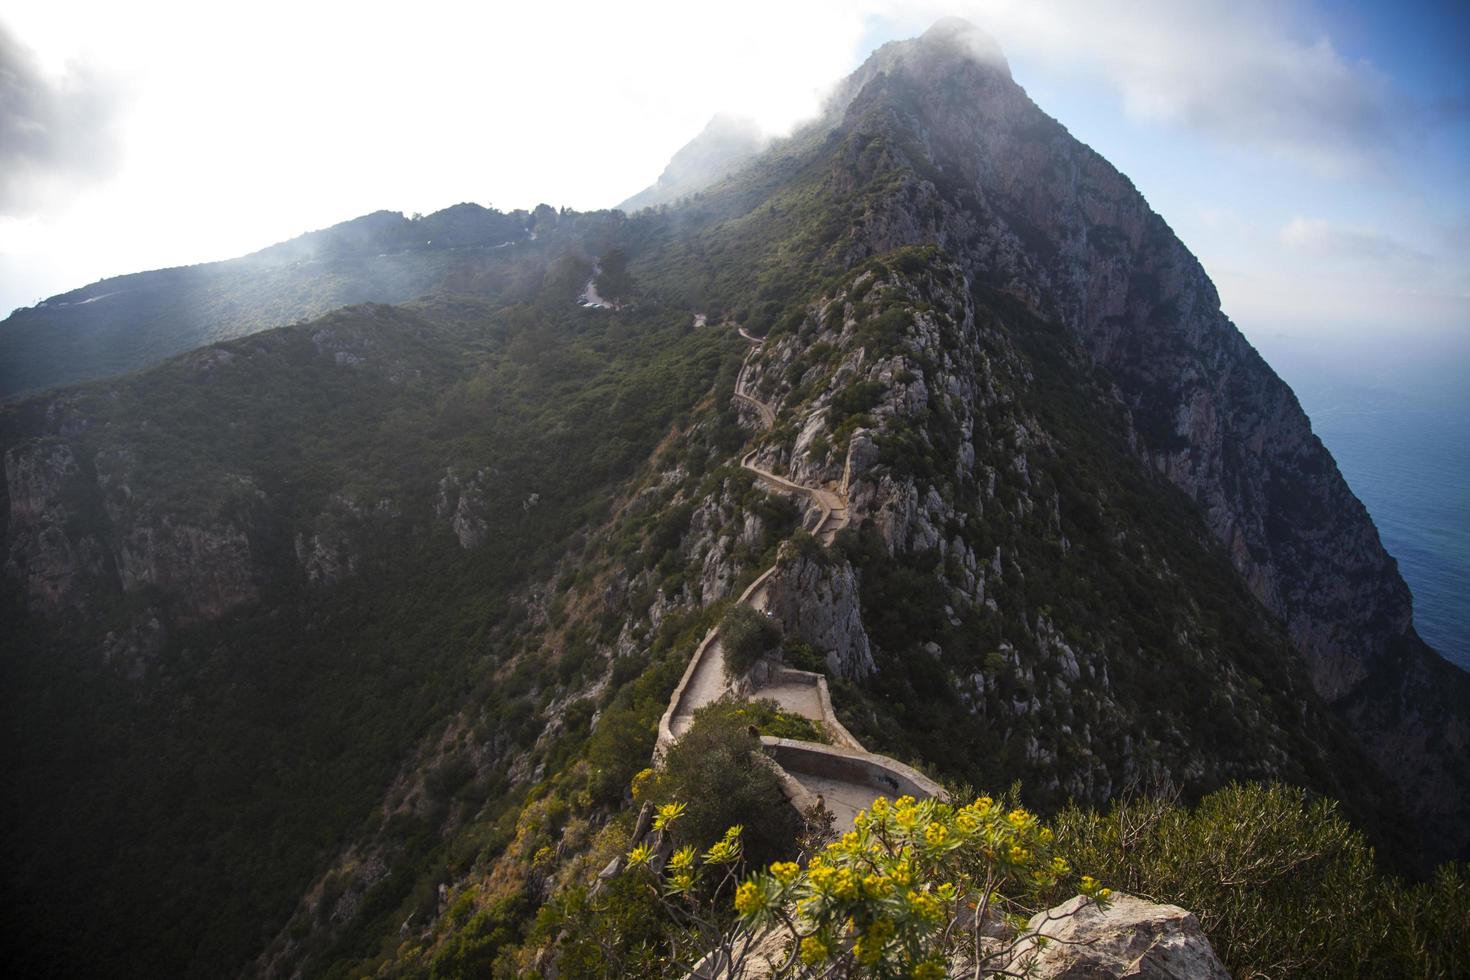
{"points": [[713, 767], [1282, 885], [855, 399], [746, 637], [800, 655], [768, 718]]}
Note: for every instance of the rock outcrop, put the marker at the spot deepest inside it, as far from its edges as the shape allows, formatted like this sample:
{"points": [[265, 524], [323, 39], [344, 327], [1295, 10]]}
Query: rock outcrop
{"points": [[43, 480], [1130, 938], [816, 598], [462, 504]]}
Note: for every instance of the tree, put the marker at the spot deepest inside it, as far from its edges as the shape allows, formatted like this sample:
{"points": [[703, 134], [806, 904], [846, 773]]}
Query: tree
{"points": [[746, 636]]}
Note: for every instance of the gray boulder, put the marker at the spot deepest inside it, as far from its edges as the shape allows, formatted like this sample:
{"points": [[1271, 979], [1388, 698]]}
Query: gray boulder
{"points": [[1130, 938]]}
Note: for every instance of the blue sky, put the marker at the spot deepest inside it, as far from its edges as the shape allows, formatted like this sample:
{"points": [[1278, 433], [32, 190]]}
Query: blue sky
{"points": [[1314, 155]]}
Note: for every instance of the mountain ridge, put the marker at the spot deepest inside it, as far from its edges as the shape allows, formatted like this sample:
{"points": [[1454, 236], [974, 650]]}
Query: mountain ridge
{"points": [[503, 522], [132, 321]]}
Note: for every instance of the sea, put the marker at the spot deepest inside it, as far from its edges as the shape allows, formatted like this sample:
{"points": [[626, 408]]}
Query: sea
{"points": [[1394, 410]]}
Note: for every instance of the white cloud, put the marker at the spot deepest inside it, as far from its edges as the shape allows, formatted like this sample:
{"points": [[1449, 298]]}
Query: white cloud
{"points": [[253, 123], [1316, 237], [248, 124], [57, 128], [1230, 69]]}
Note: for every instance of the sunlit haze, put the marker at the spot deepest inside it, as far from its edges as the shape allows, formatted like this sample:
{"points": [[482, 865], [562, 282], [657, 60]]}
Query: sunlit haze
{"points": [[1313, 156]]}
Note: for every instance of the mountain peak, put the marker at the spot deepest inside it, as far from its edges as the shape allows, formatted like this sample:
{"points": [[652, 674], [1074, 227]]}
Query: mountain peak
{"points": [[957, 35], [949, 50], [724, 144]]}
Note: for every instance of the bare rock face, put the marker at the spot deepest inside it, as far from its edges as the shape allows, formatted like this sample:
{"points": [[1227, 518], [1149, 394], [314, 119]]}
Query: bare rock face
{"points": [[77, 533], [1131, 938], [52, 564], [817, 600], [463, 504], [331, 548], [208, 568]]}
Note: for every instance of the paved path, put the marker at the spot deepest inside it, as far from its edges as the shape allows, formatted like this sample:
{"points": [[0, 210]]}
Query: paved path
{"points": [[796, 699], [844, 799], [767, 414], [704, 679]]}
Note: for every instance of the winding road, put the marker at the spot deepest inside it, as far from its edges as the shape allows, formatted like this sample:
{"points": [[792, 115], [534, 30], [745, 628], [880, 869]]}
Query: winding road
{"points": [[845, 777]]}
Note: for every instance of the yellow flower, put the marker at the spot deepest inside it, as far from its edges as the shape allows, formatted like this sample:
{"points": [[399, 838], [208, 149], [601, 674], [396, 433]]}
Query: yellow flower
{"points": [[1018, 818], [935, 833], [748, 898], [928, 970], [879, 807], [946, 892], [879, 932], [1018, 854], [925, 906], [681, 882], [877, 886], [1105, 894], [640, 783], [1060, 866], [667, 814], [869, 949], [727, 850], [814, 950], [785, 871], [1088, 884], [682, 859], [639, 855], [722, 853]]}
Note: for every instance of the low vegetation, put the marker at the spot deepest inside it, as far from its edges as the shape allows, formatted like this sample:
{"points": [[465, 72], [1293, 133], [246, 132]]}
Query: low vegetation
{"points": [[747, 636], [1281, 883]]}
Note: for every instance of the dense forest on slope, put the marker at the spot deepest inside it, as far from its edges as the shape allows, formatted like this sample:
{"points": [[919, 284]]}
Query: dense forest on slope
{"points": [[309, 481]]}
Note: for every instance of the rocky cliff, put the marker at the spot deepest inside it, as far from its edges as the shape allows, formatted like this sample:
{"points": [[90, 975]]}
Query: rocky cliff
{"points": [[975, 167]]}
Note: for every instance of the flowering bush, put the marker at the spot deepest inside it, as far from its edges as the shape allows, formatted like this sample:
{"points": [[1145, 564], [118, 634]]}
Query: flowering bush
{"points": [[913, 889]]}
